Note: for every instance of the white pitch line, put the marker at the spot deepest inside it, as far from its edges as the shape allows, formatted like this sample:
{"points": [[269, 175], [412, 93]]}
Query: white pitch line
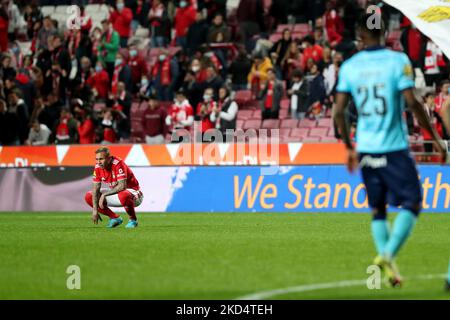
{"points": [[319, 286]]}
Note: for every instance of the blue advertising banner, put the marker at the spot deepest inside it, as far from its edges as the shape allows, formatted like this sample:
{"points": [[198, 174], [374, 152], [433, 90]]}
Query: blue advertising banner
{"points": [[291, 189]]}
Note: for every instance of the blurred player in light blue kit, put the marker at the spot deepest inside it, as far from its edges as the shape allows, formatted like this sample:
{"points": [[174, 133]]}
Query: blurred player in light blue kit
{"points": [[445, 113], [380, 81]]}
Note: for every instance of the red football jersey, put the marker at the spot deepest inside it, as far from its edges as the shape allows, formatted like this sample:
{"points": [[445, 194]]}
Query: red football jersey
{"points": [[119, 171]]}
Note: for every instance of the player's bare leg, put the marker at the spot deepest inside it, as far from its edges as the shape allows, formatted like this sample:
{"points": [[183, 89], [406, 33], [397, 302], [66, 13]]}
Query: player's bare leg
{"points": [[115, 219]]}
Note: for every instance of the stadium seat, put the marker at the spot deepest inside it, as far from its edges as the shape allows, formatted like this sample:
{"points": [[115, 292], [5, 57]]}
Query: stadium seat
{"points": [[289, 123], [301, 28], [270, 124], [256, 114], [142, 33], [173, 50], [318, 132], [244, 114], [285, 132], [242, 97], [239, 123], [306, 123], [325, 123], [310, 139], [284, 114], [252, 124], [275, 37], [92, 9], [299, 132], [282, 27], [285, 104]]}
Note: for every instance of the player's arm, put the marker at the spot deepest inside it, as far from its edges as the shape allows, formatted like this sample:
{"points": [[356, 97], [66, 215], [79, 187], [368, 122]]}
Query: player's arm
{"points": [[121, 186], [95, 196], [418, 110], [342, 100]]}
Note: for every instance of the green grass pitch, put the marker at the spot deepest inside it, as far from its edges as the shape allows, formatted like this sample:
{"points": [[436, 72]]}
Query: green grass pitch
{"points": [[211, 256]]}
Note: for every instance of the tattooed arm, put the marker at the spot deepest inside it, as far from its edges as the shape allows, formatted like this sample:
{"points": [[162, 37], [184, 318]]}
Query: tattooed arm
{"points": [[121, 185]]}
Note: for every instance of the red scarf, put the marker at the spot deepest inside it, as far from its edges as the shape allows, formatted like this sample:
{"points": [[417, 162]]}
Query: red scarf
{"points": [[269, 96], [165, 77], [74, 42], [115, 79], [216, 62]]}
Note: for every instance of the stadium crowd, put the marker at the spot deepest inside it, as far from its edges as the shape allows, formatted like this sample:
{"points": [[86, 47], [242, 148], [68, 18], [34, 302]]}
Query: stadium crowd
{"points": [[184, 62]]}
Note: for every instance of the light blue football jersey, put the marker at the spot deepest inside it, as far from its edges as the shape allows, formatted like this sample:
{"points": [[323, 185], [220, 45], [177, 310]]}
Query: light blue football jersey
{"points": [[376, 78]]}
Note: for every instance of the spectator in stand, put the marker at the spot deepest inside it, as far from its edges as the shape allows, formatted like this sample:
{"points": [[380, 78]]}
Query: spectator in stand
{"points": [[330, 73], [317, 92], [145, 87], [211, 7], [197, 33], [4, 22], [66, 130], [192, 88], [108, 126], [140, 10], [213, 81], [435, 119], [219, 26], [20, 109], [258, 73], [99, 82], [184, 18], [239, 70], [16, 55], [15, 19], [6, 70], [224, 115], [180, 118], [159, 24], [199, 70], [279, 49], [292, 60], [334, 26], [347, 46], [86, 21], [9, 126], [121, 106], [319, 37], [311, 50], [109, 46], [443, 95], [48, 113], [138, 67], [204, 111], [122, 72], [250, 15], [48, 29], [298, 94], [32, 15], [279, 10], [413, 42], [96, 37], [165, 73], [57, 78], [39, 134], [85, 124], [270, 96], [434, 64], [121, 18], [28, 89], [154, 122]]}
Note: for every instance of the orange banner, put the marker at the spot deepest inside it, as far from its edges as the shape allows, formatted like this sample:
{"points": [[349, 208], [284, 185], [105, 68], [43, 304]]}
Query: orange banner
{"points": [[177, 154]]}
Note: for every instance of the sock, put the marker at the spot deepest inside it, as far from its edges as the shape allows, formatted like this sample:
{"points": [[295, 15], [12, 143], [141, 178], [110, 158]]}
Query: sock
{"points": [[448, 274], [380, 234], [403, 225], [126, 199], [106, 211]]}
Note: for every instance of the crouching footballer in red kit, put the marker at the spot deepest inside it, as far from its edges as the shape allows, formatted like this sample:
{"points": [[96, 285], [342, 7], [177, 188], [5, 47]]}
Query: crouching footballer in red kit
{"points": [[123, 190]]}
